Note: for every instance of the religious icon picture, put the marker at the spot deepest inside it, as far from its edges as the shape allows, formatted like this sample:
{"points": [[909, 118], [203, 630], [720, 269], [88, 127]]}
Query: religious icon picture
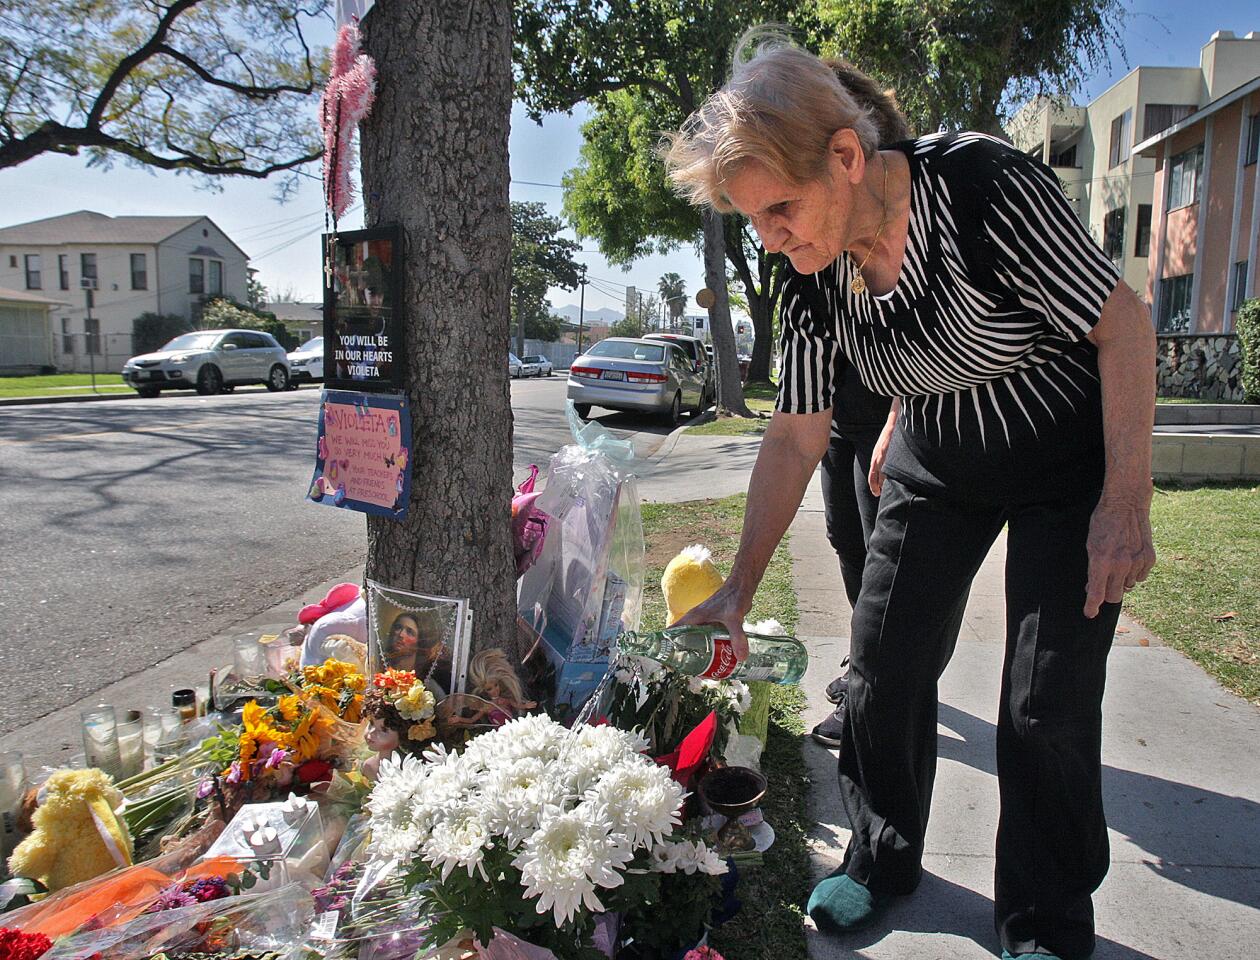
{"points": [[424, 635]]}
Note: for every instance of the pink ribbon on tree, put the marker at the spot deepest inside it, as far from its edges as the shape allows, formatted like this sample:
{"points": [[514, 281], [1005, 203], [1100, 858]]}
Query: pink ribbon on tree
{"points": [[346, 101]]}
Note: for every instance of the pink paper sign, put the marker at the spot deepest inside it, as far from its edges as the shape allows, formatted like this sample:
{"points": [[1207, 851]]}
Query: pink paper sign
{"points": [[363, 453]]}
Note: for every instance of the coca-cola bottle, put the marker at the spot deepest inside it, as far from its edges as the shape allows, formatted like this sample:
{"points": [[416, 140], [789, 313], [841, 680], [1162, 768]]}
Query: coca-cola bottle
{"points": [[706, 652]]}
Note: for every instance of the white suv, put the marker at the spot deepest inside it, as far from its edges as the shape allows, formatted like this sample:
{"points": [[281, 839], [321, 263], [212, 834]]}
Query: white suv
{"points": [[210, 361]]}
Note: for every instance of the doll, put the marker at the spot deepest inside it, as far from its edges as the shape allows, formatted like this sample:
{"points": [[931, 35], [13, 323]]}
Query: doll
{"points": [[400, 711], [492, 677]]}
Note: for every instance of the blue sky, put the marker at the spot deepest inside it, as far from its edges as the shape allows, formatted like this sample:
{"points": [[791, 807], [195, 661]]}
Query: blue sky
{"points": [[283, 239]]}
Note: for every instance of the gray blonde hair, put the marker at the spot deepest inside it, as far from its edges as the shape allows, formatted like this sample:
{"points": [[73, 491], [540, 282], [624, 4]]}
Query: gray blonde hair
{"points": [[780, 108]]}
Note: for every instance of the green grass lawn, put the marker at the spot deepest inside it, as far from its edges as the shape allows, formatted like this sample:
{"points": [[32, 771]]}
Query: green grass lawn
{"points": [[771, 925], [60, 384], [1189, 400], [760, 398], [1208, 541]]}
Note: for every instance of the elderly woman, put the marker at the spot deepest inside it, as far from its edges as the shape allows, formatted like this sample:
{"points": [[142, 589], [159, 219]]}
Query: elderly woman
{"points": [[953, 274]]}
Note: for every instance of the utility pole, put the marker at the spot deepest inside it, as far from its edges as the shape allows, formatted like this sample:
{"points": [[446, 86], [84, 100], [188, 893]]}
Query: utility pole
{"points": [[581, 306]]}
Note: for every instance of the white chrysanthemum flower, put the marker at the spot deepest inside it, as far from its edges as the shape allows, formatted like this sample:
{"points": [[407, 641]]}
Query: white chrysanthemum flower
{"points": [[515, 797], [593, 751], [392, 807], [770, 628], [642, 798], [686, 856], [535, 736], [567, 858], [458, 840]]}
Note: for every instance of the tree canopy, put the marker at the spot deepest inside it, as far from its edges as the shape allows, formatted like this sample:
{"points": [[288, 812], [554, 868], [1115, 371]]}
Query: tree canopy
{"points": [[541, 259], [958, 63], [204, 86]]}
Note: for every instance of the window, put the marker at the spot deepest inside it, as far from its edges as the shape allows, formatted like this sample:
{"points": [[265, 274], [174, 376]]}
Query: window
{"points": [[67, 338], [1121, 128], [1175, 295], [1064, 157], [139, 271], [1184, 171], [196, 276], [256, 341], [1253, 139], [33, 279], [1142, 243], [92, 334], [1160, 116], [87, 266], [63, 271], [1113, 233], [216, 277], [1240, 284], [12, 262]]}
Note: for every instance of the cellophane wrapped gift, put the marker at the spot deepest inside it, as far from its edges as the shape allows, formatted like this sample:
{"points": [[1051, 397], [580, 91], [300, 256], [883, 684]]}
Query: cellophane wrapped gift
{"points": [[283, 842], [363, 911], [248, 924]]}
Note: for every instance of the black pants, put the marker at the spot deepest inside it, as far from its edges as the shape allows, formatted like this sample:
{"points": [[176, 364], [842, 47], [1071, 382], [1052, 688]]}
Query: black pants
{"points": [[848, 503], [1052, 848]]}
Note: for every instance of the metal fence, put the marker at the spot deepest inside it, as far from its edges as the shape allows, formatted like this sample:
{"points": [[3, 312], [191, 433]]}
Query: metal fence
{"points": [[561, 355], [87, 352]]}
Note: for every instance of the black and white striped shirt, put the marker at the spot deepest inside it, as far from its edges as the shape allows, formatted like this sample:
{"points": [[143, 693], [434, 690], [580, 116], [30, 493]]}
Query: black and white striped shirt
{"points": [[983, 336]]}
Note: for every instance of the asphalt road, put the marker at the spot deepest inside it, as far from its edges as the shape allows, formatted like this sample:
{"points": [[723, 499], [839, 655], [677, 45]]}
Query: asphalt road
{"points": [[133, 529]]}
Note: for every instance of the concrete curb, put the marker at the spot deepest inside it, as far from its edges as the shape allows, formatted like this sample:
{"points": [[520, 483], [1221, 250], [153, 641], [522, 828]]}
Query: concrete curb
{"points": [[1205, 456], [1206, 413], [96, 398]]}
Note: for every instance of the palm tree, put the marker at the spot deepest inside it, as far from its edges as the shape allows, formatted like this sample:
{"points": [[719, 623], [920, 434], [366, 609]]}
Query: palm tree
{"points": [[673, 289]]}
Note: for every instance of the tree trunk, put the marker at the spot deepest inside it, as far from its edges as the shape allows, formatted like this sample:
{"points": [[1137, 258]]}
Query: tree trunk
{"points": [[435, 160], [730, 398]]}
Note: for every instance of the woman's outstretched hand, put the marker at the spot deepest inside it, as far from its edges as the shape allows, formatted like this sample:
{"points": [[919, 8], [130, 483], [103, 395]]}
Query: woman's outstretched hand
{"points": [[727, 609]]}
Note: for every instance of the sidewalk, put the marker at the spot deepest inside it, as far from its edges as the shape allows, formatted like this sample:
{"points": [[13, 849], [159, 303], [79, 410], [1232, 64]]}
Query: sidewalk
{"points": [[1180, 778]]}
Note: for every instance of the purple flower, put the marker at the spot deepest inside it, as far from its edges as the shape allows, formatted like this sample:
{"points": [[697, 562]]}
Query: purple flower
{"points": [[208, 888], [172, 898], [205, 788], [276, 758], [234, 772], [339, 904]]}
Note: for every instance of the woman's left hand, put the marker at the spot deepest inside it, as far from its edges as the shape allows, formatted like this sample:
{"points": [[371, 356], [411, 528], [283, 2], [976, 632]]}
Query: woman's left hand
{"points": [[1121, 550]]}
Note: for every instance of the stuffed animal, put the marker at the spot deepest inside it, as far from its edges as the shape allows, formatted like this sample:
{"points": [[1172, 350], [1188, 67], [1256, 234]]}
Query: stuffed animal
{"points": [[342, 614], [76, 835], [689, 579]]}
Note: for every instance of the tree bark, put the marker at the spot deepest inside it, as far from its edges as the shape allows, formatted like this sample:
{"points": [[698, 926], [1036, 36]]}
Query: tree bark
{"points": [[435, 160], [762, 294], [730, 398]]}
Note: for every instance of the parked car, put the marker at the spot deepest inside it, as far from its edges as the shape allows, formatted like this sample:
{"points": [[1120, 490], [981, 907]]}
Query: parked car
{"points": [[542, 363], [694, 348], [307, 361], [210, 361], [624, 373], [521, 368]]}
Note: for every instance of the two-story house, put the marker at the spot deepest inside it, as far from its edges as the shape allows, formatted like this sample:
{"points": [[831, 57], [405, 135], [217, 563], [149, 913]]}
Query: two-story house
{"points": [[126, 266]]}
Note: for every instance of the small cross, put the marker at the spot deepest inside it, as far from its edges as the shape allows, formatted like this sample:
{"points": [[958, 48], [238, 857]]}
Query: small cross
{"points": [[328, 261]]}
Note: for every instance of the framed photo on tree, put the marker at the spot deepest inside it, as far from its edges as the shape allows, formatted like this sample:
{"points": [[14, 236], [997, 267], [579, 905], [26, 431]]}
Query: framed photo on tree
{"points": [[363, 309]]}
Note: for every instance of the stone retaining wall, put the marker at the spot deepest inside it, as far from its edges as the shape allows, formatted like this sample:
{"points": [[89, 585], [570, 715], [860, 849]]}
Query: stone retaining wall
{"points": [[1208, 367]]}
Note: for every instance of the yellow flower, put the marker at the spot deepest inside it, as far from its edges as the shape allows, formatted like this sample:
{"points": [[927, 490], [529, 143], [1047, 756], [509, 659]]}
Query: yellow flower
{"points": [[290, 708], [417, 703], [421, 731]]}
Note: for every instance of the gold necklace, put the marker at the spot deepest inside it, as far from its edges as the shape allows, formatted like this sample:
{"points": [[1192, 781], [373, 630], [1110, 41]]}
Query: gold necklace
{"points": [[858, 282]]}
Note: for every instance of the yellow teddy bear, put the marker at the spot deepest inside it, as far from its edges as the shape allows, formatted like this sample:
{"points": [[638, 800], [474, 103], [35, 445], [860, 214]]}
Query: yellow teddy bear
{"points": [[689, 580], [76, 835]]}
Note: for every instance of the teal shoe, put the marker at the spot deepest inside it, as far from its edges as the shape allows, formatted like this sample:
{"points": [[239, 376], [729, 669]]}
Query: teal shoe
{"points": [[839, 903]]}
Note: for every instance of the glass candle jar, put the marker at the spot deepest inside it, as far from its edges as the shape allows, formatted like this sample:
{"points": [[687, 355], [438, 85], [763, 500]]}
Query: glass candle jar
{"points": [[100, 739], [130, 744], [12, 785], [163, 733]]}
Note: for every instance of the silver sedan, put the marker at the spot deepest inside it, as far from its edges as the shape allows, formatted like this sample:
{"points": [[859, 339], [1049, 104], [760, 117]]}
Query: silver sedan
{"points": [[648, 376]]}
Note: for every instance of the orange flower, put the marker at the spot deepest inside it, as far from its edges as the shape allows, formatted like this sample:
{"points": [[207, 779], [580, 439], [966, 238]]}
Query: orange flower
{"points": [[290, 708]]}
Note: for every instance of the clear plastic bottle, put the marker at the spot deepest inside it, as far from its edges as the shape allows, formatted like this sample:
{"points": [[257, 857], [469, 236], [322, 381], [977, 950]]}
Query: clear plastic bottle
{"points": [[706, 652]]}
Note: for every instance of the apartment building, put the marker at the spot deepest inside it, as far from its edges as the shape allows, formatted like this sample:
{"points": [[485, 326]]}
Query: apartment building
{"points": [[1090, 148], [131, 265]]}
